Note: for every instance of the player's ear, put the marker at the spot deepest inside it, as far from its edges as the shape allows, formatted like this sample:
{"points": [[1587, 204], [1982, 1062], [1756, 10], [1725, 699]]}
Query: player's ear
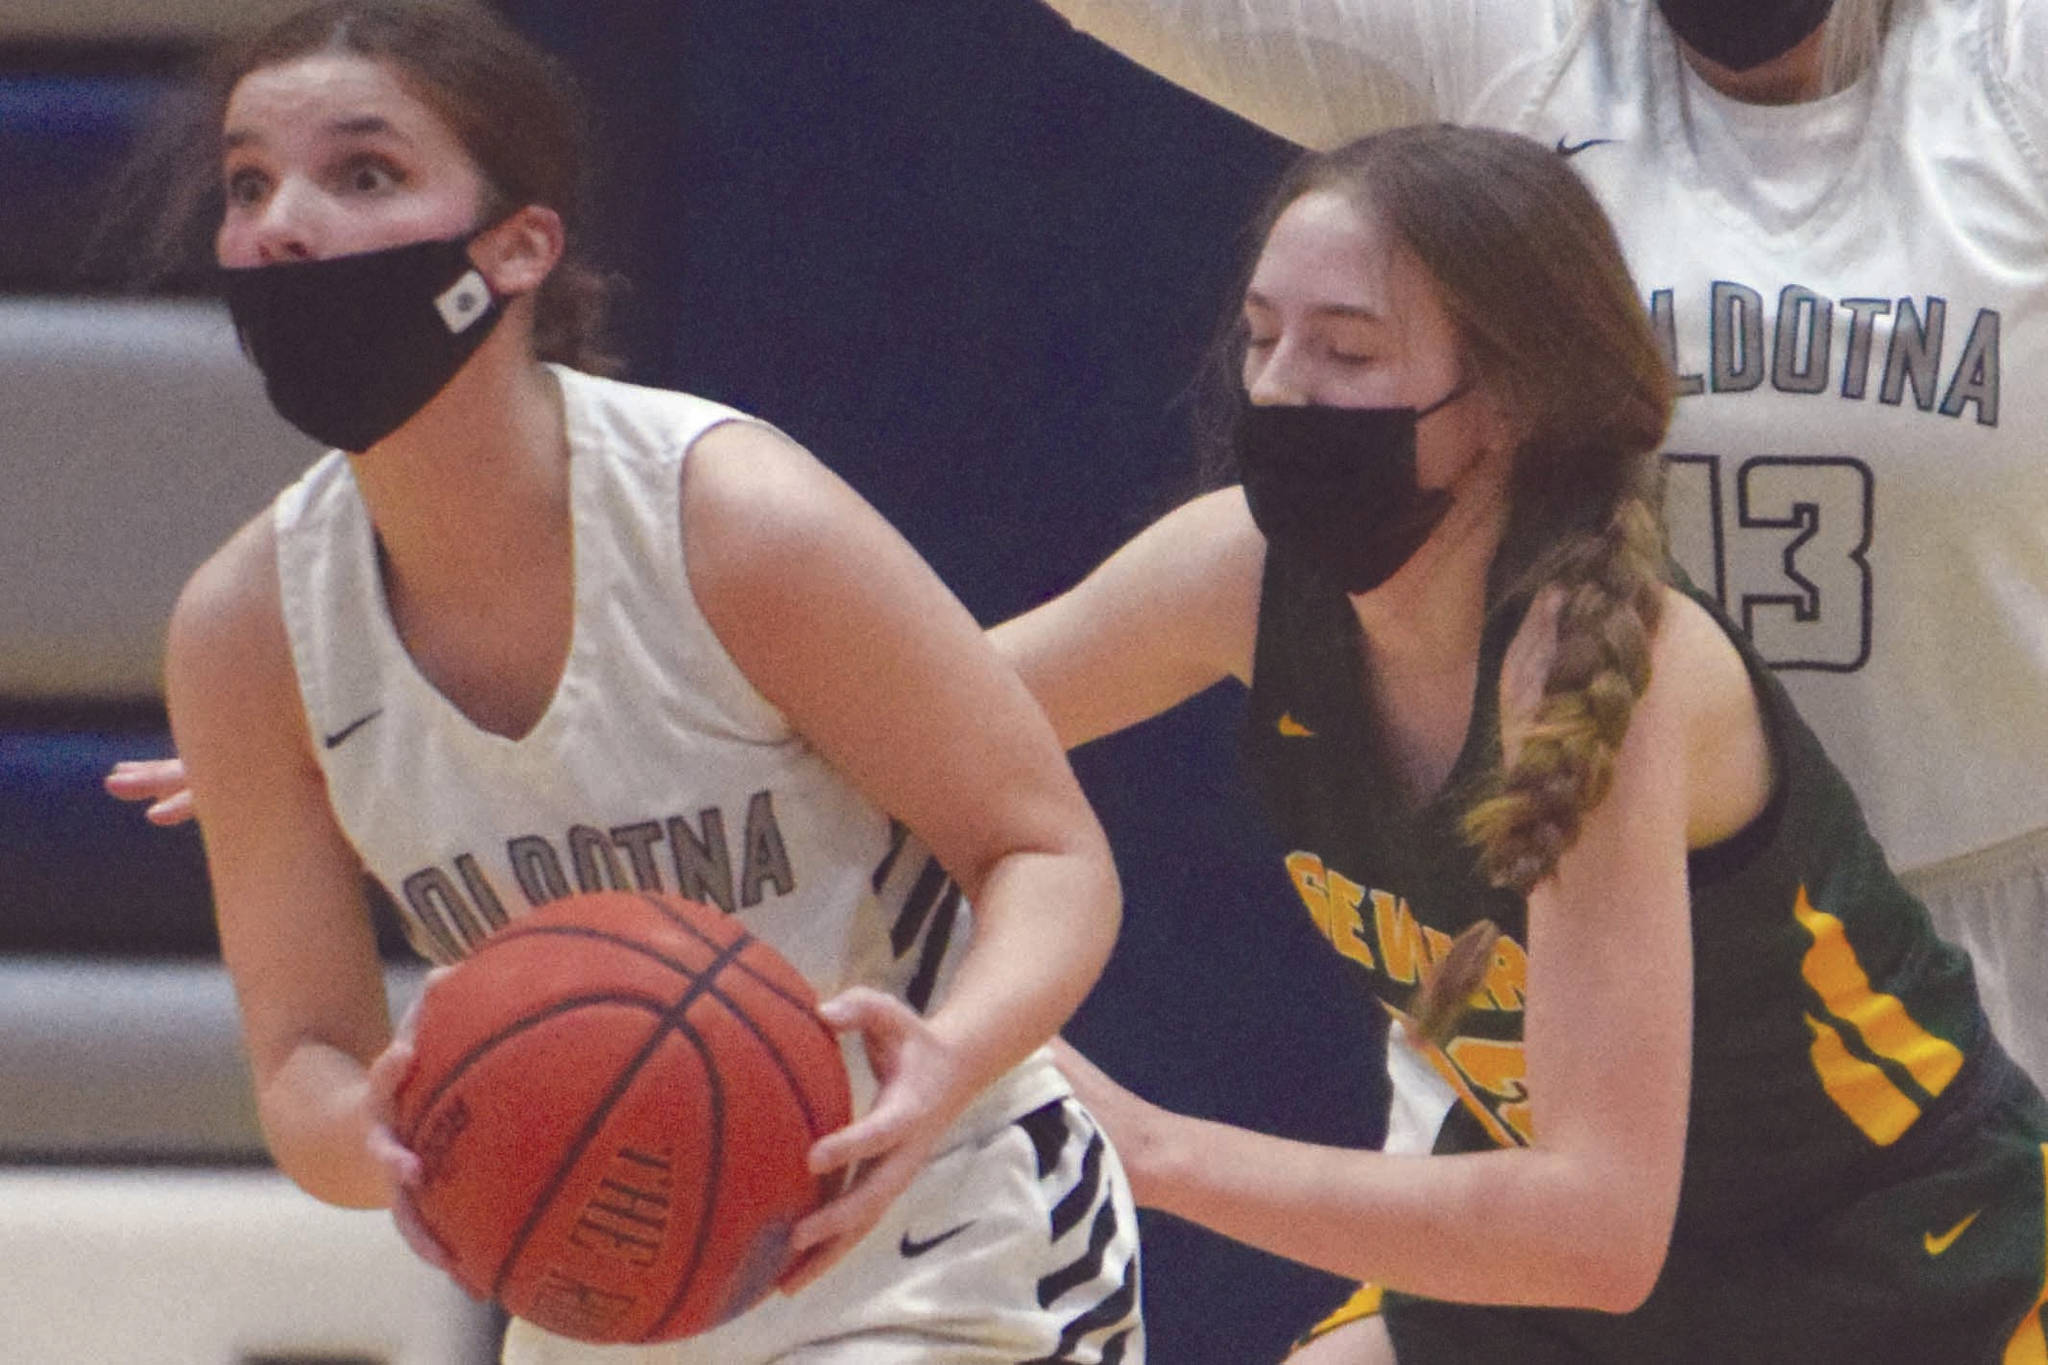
{"points": [[517, 252]]}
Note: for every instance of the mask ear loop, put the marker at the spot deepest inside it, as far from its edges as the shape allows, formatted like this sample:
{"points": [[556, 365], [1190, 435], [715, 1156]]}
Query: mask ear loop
{"points": [[1458, 390]]}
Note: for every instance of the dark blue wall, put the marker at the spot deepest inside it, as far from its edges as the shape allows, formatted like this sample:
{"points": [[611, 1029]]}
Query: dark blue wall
{"points": [[970, 258]]}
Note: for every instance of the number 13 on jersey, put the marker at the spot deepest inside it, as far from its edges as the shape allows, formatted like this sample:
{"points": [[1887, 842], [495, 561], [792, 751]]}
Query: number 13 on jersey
{"points": [[1781, 541]]}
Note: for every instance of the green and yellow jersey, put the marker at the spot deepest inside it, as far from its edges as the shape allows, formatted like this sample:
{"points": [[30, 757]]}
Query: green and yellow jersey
{"points": [[1838, 1045]]}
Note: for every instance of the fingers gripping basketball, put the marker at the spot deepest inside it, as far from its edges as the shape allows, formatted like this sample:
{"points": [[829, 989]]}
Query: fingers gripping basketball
{"points": [[612, 1105]]}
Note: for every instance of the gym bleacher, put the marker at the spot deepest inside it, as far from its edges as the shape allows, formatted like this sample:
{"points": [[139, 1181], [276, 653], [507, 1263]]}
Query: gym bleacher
{"points": [[140, 1220]]}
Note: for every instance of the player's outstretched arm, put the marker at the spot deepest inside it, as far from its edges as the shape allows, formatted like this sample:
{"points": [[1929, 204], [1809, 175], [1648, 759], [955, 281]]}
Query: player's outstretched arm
{"points": [[1169, 614], [295, 933], [1322, 72], [837, 622], [1583, 1215]]}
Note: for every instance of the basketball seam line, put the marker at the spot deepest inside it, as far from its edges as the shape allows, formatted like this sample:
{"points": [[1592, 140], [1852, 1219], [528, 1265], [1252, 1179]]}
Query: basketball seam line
{"points": [[524, 928], [754, 974], [670, 915], [516, 930], [782, 1063], [653, 1005], [673, 1021]]}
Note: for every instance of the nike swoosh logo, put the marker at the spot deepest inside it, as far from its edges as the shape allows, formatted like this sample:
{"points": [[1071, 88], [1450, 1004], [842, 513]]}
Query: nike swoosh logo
{"points": [[912, 1248], [1937, 1245], [335, 740], [1292, 728], [1574, 148]]}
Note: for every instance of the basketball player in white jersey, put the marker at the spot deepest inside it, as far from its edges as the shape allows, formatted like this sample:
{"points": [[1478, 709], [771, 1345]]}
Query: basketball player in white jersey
{"points": [[1839, 215], [526, 631]]}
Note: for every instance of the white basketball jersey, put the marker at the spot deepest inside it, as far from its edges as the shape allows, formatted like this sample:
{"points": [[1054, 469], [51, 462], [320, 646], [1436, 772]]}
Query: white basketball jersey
{"points": [[1844, 286], [656, 765]]}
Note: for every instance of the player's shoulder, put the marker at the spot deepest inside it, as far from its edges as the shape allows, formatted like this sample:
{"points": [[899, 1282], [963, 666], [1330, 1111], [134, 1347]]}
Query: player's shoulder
{"points": [[235, 585], [763, 520], [1214, 525], [229, 618], [746, 476], [1696, 671], [1689, 637], [1698, 675], [632, 421]]}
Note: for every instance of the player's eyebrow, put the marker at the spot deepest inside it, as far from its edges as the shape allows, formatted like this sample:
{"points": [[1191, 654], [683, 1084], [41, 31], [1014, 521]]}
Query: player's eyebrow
{"points": [[355, 125], [1357, 311]]}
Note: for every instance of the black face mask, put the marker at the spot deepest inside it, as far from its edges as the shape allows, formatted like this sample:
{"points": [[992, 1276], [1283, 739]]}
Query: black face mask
{"points": [[1740, 34], [1335, 487], [353, 346]]}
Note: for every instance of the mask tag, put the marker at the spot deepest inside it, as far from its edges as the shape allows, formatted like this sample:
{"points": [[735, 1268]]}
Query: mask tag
{"points": [[352, 347], [463, 302]]}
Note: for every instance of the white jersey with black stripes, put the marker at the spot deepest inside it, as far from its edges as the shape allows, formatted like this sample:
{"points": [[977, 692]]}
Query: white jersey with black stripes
{"points": [[658, 766], [655, 766]]}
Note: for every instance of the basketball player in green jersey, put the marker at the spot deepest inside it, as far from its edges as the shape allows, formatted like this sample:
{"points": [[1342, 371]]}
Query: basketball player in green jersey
{"points": [[1837, 211], [1718, 1092]]}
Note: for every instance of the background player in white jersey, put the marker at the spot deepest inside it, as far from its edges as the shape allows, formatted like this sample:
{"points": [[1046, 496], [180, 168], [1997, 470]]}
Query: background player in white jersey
{"points": [[1839, 215], [527, 630]]}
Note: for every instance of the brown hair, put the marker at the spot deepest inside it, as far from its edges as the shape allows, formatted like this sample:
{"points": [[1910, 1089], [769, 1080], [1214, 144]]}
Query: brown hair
{"points": [[511, 106], [1554, 331]]}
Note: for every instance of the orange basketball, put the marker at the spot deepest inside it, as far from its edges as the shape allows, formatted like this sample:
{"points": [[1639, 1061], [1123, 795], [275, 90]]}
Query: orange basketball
{"points": [[612, 1105]]}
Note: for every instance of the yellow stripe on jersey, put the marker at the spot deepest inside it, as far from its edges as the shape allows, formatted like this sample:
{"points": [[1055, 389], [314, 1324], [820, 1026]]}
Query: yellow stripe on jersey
{"points": [[1500, 1069], [1860, 1090], [1455, 1078], [1363, 1304], [1882, 1023], [2029, 1346]]}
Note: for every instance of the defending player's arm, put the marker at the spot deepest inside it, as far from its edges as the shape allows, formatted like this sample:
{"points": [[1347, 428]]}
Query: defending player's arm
{"points": [[836, 620], [1169, 614], [1583, 1217], [294, 931], [1321, 72]]}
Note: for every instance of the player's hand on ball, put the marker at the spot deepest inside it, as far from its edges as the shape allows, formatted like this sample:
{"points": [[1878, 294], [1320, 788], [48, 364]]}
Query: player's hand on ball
{"points": [[401, 1167], [880, 1153], [1131, 1122], [159, 781]]}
